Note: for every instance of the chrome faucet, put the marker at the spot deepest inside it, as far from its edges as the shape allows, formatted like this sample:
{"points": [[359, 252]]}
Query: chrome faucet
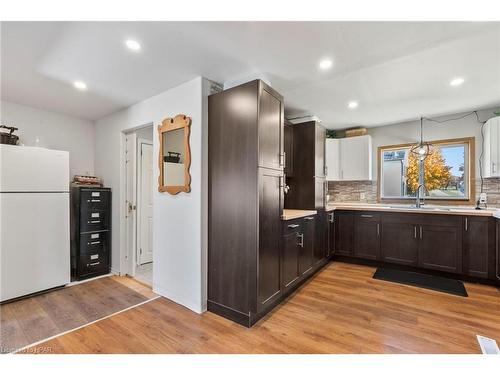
{"points": [[419, 201]]}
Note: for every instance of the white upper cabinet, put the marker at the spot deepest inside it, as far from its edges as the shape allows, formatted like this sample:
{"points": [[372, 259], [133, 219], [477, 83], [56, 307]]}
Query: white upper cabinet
{"points": [[491, 161], [332, 159], [349, 159]]}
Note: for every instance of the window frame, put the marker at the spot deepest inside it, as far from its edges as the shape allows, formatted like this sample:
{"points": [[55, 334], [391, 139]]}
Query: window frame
{"points": [[470, 172]]}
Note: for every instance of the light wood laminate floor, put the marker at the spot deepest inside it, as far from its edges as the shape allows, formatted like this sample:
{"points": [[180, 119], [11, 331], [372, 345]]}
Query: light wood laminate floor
{"points": [[36, 318], [341, 310]]}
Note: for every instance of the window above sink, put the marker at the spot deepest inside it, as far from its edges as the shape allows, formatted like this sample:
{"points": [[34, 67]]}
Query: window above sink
{"points": [[448, 172]]}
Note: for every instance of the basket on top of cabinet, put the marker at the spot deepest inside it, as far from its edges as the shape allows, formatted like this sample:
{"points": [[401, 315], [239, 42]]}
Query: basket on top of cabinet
{"points": [[90, 231]]}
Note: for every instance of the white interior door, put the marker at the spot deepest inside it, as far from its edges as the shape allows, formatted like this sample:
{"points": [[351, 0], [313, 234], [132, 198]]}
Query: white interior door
{"points": [[130, 200], [145, 230]]}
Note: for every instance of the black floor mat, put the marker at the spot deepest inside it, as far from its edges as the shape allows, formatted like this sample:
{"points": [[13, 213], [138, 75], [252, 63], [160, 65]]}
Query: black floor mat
{"points": [[421, 280]]}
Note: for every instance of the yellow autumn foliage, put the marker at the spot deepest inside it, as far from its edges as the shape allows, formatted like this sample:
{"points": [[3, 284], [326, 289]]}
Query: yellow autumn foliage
{"points": [[437, 174]]}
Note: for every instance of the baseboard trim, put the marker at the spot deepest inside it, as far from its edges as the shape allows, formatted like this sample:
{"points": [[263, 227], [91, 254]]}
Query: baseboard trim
{"points": [[229, 313]]}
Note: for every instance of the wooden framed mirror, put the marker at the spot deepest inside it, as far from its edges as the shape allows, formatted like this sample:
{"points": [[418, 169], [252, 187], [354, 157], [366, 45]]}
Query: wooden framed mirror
{"points": [[174, 157]]}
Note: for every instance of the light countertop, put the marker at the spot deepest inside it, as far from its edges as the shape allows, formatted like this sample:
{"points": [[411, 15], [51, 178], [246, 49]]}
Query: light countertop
{"points": [[427, 209], [289, 214]]}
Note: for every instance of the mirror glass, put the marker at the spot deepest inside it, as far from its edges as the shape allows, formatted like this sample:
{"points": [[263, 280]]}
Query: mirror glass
{"points": [[173, 157]]}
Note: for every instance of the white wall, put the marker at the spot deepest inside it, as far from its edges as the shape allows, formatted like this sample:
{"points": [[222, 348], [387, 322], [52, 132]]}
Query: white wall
{"points": [[55, 131], [409, 132], [178, 221]]}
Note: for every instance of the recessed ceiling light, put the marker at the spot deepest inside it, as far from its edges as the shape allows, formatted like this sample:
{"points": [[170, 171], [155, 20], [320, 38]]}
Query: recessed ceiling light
{"points": [[352, 105], [80, 85], [133, 45], [457, 81], [325, 64]]}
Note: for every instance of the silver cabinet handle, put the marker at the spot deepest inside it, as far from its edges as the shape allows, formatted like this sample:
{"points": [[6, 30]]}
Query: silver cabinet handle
{"points": [[421, 234], [331, 218], [466, 225], [367, 216], [378, 230], [94, 243], [415, 235], [95, 264], [291, 226], [309, 218], [300, 236]]}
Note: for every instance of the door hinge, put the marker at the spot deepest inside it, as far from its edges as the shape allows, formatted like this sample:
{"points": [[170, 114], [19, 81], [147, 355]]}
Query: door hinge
{"points": [[140, 251]]}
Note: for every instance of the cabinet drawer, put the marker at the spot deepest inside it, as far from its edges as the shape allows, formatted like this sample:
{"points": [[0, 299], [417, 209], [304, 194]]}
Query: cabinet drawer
{"points": [[94, 242], [95, 199], [291, 226], [367, 217], [93, 263], [93, 219]]}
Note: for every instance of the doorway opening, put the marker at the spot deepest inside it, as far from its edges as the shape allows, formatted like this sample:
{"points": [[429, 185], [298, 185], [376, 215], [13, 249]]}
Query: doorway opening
{"points": [[139, 203]]}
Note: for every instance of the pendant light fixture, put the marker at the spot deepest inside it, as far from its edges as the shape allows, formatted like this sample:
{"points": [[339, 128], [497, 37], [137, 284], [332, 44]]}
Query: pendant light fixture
{"points": [[421, 149]]}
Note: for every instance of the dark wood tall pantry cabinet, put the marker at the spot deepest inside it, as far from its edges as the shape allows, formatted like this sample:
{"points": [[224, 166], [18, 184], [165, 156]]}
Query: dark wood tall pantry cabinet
{"points": [[308, 184], [245, 178]]}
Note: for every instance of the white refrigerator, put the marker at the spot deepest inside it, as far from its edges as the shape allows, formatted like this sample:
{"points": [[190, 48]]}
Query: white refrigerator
{"points": [[34, 220]]}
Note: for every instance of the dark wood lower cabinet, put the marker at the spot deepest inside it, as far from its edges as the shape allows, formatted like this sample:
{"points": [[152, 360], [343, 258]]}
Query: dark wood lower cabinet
{"points": [[367, 235], [456, 244], [307, 245], [344, 232], [331, 233], [478, 235], [292, 238], [496, 272], [399, 242], [320, 237], [440, 246]]}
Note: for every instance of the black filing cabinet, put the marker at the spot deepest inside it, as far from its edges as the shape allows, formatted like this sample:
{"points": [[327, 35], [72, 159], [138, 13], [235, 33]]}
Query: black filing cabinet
{"points": [[90, 231]]}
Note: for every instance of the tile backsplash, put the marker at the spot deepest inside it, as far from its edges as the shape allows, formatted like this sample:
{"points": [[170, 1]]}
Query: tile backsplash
{"points": [[366, 191]]}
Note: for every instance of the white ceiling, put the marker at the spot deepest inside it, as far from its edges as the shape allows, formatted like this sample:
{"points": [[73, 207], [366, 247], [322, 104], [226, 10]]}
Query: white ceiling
{"points": [[396, 70]]}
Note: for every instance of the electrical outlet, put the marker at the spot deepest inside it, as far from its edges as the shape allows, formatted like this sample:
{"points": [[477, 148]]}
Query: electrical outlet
{"points": [[482, 198], [362, 196]]}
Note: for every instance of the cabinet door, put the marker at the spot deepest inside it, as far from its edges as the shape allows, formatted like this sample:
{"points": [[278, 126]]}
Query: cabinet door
{"points": [[288, 140], [497, 252], [476, 245], [320, 188], [440, 247], [270, 211], [319, 150], [307, 248], [270, 130], [332, 159], [355, 158], [331, 233], [491, 165], [321, 240], [367, 235], [399, 239], [291, 249], [344, 232]]}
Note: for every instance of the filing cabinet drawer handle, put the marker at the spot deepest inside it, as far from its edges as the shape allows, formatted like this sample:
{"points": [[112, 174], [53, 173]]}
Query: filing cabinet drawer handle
{"points": [[291, 226], [94, 243], [367, 216], [309, 218], [93, 221], [95, 264]]}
